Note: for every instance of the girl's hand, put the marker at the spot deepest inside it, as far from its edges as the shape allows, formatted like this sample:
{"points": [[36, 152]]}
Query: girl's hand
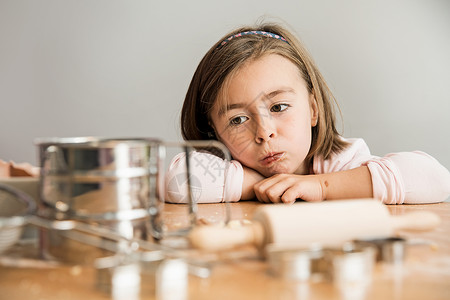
{"points": [[287, 188]]}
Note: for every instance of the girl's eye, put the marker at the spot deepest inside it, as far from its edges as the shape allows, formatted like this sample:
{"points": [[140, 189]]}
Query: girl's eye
{"points": [[238, 120], [279, 107]]}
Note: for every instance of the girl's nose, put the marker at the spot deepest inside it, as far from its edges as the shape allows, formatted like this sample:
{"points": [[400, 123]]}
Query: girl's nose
{"points": [[264, 131]]}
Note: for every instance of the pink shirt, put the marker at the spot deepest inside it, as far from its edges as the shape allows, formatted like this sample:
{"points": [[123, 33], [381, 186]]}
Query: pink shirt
{"points": [[397, 178]]}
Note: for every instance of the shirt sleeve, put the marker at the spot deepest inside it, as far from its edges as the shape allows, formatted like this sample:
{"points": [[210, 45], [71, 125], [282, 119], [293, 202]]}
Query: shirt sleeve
{"points": [[397, 178], [410, 178], [211, 178]]}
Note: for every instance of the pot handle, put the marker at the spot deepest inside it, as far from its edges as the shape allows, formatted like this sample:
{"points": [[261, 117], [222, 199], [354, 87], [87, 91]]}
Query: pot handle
{"points": [[157, 199]]}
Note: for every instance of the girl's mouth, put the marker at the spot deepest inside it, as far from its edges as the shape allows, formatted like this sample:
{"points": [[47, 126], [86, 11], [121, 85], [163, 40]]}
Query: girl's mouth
{"points": [[272, 157]]}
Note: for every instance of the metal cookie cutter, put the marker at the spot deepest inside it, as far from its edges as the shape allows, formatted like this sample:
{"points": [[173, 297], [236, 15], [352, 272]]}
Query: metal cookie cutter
{"points": [[350, 268], [349, 263], [390, 250], [299, 264]]}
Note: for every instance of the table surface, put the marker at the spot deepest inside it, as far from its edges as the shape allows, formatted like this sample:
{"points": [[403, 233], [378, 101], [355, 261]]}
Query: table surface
{"points": [[243, 274]]}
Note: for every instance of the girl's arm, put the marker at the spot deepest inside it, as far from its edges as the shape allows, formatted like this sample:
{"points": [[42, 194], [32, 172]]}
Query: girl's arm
{"points": [[397, 178], [209, 181], [409, 177], [286, 188], [353, 183], [251, 177]]}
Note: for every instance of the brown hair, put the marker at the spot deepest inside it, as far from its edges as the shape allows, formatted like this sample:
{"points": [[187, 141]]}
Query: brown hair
{"points": [[222, 61]]}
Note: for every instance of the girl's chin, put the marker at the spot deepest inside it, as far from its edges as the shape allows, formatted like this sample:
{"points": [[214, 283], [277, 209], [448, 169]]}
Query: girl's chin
{"points": [[275, 170]]}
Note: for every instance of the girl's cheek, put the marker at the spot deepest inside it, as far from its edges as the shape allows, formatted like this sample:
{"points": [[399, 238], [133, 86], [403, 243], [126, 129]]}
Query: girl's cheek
{"points": [[234, 141]]}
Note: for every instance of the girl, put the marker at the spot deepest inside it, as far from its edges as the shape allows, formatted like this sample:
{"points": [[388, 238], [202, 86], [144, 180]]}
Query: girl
{"points": [[258, 91]]}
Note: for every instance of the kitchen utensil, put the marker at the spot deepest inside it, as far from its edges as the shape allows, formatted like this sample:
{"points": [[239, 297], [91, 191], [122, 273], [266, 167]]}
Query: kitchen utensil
{"points": [[304, 224], [15, 206], [389, 250]]}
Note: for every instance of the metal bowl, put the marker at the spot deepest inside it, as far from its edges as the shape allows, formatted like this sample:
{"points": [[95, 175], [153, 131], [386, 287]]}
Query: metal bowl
{"points": [[15, 206]]}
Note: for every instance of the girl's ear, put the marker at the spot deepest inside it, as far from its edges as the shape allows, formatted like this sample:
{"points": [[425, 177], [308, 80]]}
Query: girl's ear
{"points": [[314, 110]]}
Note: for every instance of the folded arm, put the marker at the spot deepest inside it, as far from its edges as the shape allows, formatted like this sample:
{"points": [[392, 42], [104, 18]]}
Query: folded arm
{"points": [[397, 178], [212, 179], [287, 188], [406, 177], [409, 177]]}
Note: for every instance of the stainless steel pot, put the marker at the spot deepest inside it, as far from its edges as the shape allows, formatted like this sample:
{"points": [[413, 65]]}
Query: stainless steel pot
{"points": [[116, 184], [98, 178], [112, 183]]}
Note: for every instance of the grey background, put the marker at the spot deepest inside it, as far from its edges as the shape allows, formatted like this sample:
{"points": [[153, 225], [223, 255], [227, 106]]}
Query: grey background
{"points": [[121, 68]]}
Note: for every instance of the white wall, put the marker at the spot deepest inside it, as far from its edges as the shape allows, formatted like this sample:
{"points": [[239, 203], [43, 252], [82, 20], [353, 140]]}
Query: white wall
{"points": [[121, 68]]}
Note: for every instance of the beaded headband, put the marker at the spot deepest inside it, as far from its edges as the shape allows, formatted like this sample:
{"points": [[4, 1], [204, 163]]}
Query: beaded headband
{"points": [[254, 32]]}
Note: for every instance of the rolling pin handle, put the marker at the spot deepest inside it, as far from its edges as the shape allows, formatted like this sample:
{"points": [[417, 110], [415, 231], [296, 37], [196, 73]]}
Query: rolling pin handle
{"points": [[215, 238], [416, 221]]}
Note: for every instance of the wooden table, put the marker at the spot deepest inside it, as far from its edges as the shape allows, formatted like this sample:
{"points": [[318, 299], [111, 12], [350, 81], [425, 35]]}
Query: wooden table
{"points": [[425, 273]]}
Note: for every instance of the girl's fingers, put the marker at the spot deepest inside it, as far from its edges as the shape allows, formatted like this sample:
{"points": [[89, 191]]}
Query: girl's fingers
{"points": [[305, 190], [291, 194], [262, 187], [261, 195], [287, 188], [272, 189], [276, 191]]}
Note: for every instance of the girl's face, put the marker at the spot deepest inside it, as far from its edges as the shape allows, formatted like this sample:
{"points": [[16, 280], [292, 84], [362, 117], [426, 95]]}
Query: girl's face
{"points": [[267, 117]]}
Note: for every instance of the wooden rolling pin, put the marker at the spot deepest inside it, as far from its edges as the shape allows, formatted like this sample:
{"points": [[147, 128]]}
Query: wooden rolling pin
{"points": [[305, 224]]}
